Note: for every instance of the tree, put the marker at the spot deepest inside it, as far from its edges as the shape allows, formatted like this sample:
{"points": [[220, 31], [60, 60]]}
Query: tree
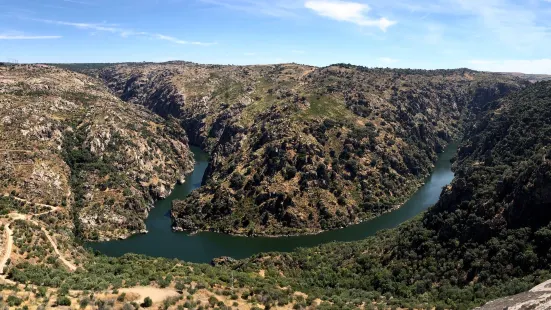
{"points": [[147, 302]]}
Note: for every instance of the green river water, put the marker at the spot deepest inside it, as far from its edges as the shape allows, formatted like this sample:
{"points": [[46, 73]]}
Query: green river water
{"points": [[161, 241]]}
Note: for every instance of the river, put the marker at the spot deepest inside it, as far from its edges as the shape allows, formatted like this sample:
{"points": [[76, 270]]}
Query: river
{"points": [[204, 246]]}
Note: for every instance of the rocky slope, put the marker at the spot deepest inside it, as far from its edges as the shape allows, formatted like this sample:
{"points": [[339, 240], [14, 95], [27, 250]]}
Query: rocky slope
{"points": [[298, 149], [538, 298], [488, 236], [66, 141]]}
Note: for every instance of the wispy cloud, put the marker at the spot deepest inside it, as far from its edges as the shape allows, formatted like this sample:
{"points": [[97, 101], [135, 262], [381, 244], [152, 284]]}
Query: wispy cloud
{"points": [[352, 12], [339, 10], [89, 26], [522, 25], [112, 28], [513, 23], [173, 39], [27, 37]]}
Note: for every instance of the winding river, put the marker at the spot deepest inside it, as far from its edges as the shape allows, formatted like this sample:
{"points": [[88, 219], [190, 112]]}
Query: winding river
{"points": [[204, 246]]}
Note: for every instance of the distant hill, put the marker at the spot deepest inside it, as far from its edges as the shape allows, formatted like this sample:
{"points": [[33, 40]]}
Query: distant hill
{"points": [[530, 77]]}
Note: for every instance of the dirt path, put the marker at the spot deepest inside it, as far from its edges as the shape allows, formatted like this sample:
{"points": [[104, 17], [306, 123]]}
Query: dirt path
{"points": [[54, 209], [19, 216], [67, 263], [29, 202], [7, 248], [27, 217], [14, 151]]}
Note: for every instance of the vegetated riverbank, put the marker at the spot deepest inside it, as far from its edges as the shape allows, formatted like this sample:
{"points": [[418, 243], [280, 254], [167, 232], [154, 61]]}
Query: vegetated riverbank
{"points": [[161, 241], [298, 149]]}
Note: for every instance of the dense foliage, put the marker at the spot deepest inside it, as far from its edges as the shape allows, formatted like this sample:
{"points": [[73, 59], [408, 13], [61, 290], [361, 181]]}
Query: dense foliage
{"points": [[488, 236], [348, 144], [298, 149]]}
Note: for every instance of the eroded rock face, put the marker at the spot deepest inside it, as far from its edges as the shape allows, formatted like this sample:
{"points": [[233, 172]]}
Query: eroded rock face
{"points": [[298, 149], [66, 141], [223, 261], [538, 298]]}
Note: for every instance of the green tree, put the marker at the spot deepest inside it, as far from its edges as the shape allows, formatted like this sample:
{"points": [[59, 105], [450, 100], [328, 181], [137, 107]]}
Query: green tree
{"points": [[147, 302]]}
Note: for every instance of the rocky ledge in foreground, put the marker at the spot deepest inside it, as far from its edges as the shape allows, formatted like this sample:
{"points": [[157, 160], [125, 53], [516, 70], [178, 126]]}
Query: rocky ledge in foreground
{"points": [[538, 298]]}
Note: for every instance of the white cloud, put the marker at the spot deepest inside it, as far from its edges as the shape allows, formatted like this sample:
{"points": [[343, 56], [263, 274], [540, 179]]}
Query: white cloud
{"points": [[535, 66], [98, 27], [174, 40], [122, 32], [352, 12], [26, 37], [514, 25]]}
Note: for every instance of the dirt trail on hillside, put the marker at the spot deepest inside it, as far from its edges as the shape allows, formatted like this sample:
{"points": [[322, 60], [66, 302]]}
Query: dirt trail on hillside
{"points": [[7, 247], [27, 217], [30, 202], [19, 216], [67, 263]]}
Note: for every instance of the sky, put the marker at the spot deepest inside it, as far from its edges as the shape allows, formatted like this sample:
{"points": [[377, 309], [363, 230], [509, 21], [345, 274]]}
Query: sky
{"points": [[491, 35]]}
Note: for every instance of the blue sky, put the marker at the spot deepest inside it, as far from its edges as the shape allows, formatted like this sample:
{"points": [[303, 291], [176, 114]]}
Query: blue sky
{"points": [[495, 35]]}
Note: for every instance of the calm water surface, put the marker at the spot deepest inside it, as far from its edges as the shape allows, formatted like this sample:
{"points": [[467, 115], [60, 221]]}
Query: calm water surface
{"points": [[202, 247]]}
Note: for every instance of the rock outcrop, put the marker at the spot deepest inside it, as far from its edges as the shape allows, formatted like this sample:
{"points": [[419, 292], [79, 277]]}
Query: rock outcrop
{"points": [[66, 141], [538, 298]]}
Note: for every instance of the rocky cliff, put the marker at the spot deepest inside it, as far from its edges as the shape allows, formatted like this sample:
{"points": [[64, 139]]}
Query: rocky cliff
{"points": [[66, 141], [298, 149], [488, 236]]}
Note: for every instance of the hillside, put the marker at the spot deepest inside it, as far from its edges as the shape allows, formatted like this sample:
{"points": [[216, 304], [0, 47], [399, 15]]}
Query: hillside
{"points": [[530, 77], [67, 143], [488, 236], [297, 149]]}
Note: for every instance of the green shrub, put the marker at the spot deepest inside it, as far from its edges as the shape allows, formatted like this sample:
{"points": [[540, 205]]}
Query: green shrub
{"points": [[121, 297], [14, 301], [84, 302], [63, 301]]}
